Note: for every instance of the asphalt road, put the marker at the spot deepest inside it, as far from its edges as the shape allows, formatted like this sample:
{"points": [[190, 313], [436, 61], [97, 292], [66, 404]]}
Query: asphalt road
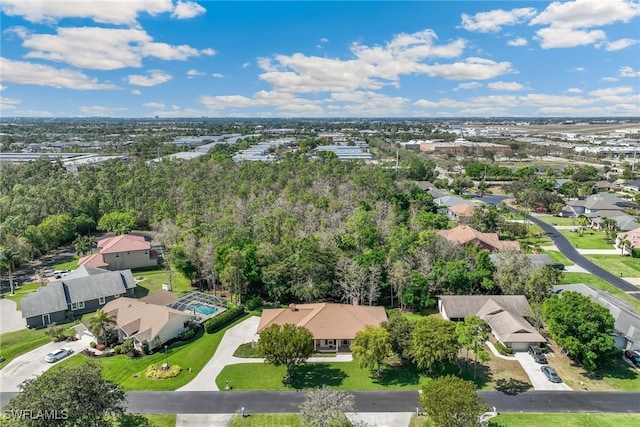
{"points": [[212, 402], [572, 254]]}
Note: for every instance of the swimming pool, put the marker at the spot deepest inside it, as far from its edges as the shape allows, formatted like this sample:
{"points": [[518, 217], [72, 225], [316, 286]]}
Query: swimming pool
{"points": [[204, 310]]}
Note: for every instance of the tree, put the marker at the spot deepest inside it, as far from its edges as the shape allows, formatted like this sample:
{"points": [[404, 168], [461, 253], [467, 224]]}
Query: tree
{"points": [[434, 343], [512, 272], [400, 329], [324, 407], [285, 345], [539, 285], [100, 323], [117, 222], [582, 327], [74, 396], [372, 291], [472, 334], [8, 258], [371, 346], [399, 279], [452, 402]]}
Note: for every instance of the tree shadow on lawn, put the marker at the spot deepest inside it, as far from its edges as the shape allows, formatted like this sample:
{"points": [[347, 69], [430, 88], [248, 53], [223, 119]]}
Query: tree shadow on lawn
{"points": [[313, 375], [617, 369], [511, 386], [401, 375], [483, 372]]}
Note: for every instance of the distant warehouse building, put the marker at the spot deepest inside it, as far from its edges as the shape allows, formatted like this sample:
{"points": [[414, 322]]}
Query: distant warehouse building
{"points": [[359, 151], [460, 146]]}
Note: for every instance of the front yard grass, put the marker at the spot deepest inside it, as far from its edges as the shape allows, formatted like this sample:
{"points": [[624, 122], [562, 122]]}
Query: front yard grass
{"points": [[266, 420], [14, 344], [533, 419], [556, 220], [558, 257], [596, 282], [67, 265], [22, 291], [129, 373], [590, 239], [153, 279], [616, 264]]}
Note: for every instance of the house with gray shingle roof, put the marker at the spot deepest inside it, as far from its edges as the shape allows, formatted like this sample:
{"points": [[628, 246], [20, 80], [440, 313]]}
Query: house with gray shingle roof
{"points": [[626, 320], [82, 291], [595, 203]]}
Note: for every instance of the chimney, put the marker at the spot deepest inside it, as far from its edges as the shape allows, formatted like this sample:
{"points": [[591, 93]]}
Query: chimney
{"points": [[355, 301]]}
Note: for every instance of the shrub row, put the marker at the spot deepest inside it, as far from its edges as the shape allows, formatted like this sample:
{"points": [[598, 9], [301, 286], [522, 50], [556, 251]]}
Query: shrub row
{"points": [[505, 351], [216, 323]]}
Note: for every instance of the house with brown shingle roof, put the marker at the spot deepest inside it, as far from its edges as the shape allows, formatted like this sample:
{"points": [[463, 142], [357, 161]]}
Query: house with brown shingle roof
{"points": [[145, 322], [122, 252], [460, 212], [464, 235], [333, 326], [505, 315]]}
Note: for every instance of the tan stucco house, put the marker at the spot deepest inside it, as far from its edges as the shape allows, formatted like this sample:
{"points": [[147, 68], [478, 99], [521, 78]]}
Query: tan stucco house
{"points": [[122, 252]]}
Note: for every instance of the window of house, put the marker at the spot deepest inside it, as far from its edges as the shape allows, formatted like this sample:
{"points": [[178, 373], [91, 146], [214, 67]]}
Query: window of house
{"points": [[101, 300], [116, 296], [77, 305], [329, 342], [345, 342]]}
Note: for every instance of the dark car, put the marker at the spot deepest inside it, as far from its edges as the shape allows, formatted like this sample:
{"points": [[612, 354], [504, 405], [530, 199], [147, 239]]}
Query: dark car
{"points": [[551, 374], [633, 357], [537, 354]]}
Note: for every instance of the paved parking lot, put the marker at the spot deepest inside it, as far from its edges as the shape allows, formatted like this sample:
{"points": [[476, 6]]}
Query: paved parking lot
{"points": [[538, 379]]}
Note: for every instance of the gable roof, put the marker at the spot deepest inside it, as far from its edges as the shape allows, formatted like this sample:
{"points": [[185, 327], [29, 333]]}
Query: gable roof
{"points": [[464, 234], [462, 209], [94, 260], [47, 299], [162, 297], [626, 320], [123, 243], [461, 306], [325, 320], [141, 319], [633, 236], [449, 200]]}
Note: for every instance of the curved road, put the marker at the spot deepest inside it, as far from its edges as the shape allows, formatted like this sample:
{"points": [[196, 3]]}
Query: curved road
{"points": [[574, 256]]}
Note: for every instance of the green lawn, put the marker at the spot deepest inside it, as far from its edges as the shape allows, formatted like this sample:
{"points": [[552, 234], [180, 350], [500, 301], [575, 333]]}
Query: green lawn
{"points": [[338, 375], [590, 239], [68, 265], [153, 280], [22, 292], [130, 373], [590, 279], [616, 264], [556, 220], [558, 256], [161, 420], [531, 419], [13, 344], [266, 420]]}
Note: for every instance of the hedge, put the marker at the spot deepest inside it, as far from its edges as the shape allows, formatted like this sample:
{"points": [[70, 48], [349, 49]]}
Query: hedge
{"points": [[221, 320]]}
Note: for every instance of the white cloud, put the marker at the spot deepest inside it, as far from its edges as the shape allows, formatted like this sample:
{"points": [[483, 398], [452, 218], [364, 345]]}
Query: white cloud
{"points": [[558, 37], [628, 72], [494, 20], [186, 10], [43, 75], [467, 86], [620, 44], [106, 12], [155, 77], [587, 13], [2, 87], [100, 111], [609, 79], [101, 48], [574, 90], [471, 69], [246, 64], [570, 21], [208, 51], [577, 69], [542, 99], [509, 86], [193, 73], [518, 41], [152, 104], [217, 75], [620, 90], [9, 103], [135, 92]]}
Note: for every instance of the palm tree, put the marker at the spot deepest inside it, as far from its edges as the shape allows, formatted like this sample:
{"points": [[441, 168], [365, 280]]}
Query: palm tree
{"points": [[583, 222], [81, 245], [100, 323], [8, 258], [623, 244], [610, 225]]}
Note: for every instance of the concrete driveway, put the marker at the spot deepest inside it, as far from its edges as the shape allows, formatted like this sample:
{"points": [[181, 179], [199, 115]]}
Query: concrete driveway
{"points": [[538, 380], [10, 318], [32, 363]]}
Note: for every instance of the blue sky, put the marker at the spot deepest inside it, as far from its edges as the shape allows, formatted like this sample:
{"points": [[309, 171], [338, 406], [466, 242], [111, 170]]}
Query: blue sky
{"points": [[175, 58]]}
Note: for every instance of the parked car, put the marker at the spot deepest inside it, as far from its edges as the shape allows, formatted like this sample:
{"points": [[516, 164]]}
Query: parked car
{"points": [[633, 357], [58, 354], [537, 354], [550, 373]]}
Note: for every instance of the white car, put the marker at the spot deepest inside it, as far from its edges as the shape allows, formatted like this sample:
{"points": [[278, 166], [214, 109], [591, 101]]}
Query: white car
{"points": [[58, 354]]}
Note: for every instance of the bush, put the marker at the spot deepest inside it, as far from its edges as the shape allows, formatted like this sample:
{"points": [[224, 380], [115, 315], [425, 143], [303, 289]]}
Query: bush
{"points": [[221, 320], [502, 349], [56, 332], [118, 349], [188, 334], [253, 303], [127, 346], [158, 373], [93, 344], [145, 347]]}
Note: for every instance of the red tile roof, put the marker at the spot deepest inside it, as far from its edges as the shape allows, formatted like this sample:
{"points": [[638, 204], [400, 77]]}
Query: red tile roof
{"points": [[464, 234], [123, 243], [94, 260]]}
